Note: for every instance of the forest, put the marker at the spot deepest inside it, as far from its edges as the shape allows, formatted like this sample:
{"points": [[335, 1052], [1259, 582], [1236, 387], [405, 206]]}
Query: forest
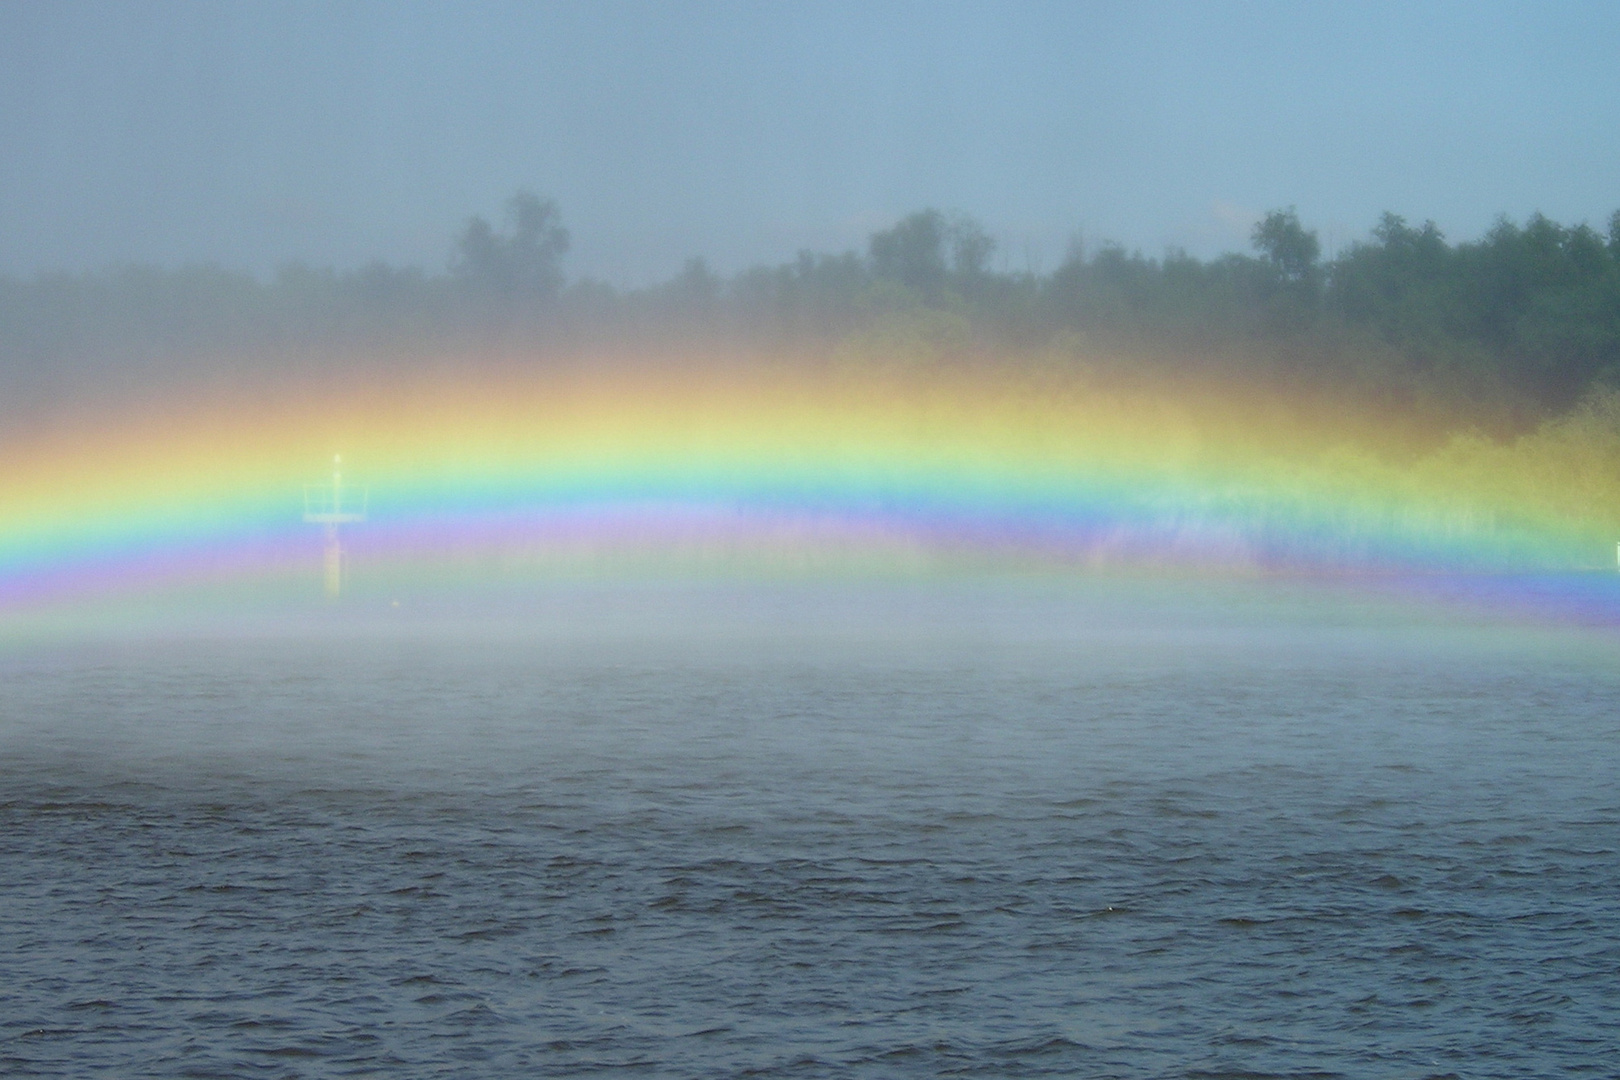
{"points": [[1493, 335]]}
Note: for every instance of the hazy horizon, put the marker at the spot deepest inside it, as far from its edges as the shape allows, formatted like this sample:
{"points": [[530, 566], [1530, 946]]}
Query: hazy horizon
{"points": [[258, 135]]}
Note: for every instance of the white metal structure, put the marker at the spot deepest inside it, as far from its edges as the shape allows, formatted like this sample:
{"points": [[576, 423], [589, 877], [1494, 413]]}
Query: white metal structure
{"points": [[330, 507]]}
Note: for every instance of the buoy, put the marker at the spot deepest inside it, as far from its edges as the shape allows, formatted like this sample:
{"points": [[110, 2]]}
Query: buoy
{"points": [[324, 506]]}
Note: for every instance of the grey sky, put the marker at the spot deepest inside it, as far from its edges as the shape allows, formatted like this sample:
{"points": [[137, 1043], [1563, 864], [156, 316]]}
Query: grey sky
{"points": [[257, 134]]}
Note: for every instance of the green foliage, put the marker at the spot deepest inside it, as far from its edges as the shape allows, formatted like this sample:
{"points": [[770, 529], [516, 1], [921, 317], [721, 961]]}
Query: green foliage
{"points": [[524, 264], [929, 253], [1288, 247], [1500, 332], [1536, 307], [912, 253]]}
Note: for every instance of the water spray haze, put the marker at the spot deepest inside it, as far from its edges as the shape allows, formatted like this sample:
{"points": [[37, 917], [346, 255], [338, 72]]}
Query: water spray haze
{"points": [[769, 466]]}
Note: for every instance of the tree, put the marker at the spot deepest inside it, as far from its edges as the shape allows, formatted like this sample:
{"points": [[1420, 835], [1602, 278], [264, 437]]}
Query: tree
{"points": [[1291, 250], [912, 252], [1401, 281], [971, 247], [524, 264], [925, 250]]}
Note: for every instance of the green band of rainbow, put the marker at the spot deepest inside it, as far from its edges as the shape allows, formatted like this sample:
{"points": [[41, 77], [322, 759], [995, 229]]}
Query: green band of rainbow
{"points": [[744, 459]]}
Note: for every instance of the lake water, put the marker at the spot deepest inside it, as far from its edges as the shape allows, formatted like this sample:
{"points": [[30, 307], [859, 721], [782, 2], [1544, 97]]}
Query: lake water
{"points": [[882, 830]]}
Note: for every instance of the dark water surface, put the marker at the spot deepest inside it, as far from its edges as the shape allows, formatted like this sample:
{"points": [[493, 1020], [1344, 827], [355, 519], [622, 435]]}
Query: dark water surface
{"points": [[984, 833]]}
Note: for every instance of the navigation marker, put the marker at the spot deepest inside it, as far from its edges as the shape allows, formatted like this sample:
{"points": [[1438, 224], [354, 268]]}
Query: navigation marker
{"points": [[331, 506]]}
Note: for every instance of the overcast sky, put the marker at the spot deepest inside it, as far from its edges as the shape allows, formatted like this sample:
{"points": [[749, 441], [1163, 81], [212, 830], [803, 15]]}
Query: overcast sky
{"points": [[256, 134]]}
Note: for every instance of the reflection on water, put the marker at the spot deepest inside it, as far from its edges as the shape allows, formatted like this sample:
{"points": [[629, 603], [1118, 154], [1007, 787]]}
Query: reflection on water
{"points": [[996, 829]]}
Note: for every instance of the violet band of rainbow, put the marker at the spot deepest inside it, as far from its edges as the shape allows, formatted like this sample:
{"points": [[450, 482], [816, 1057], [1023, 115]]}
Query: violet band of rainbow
{"points": [[730, 461]]}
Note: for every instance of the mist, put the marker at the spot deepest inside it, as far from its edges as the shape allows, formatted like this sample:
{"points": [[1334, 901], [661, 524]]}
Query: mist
{"points": [[254, 136], [871, 540]]}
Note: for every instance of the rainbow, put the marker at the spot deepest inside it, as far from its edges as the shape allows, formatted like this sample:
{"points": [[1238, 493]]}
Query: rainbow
{"points": [[773, 467]]}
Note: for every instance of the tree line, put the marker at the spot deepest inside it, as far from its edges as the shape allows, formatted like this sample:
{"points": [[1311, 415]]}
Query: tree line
{"points": [[1514, 326]]}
